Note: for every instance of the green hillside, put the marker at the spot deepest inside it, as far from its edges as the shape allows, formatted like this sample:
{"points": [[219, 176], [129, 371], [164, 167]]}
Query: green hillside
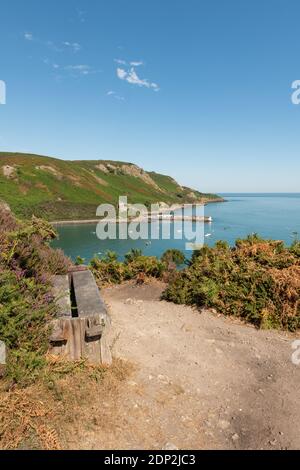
{"points": [[64, 190]]}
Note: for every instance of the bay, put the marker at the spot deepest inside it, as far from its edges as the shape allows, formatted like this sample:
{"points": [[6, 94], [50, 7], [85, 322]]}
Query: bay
{"points": [[274, 216]]}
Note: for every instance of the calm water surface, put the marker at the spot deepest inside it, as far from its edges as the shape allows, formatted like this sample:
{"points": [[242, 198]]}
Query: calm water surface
{"points": [[275, 216]]}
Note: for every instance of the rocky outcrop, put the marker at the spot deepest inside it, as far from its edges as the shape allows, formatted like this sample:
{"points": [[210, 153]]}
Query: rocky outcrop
{"points": [[137, 172], [51, 170], [9, 171], [192, 195], [107, 168], [130, 170], [102, 167]]}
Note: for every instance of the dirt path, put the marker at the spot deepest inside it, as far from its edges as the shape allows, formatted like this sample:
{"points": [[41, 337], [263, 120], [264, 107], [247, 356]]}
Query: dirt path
{"points": [[201, 381]]}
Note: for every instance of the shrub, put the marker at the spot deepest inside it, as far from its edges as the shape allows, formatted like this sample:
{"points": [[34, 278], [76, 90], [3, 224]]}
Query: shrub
{"points": [[133, 255], [173, 256], [108, 270], [26, 303], [79, 261], [257, 280], [148, 265]]}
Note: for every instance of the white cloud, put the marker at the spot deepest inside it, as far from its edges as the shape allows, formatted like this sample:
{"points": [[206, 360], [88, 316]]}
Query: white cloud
{"points": [[132, 78], [28, 36], [83, 69], [115, 95], [121, 73], [51, 64], [135, 80], [81, 16], [133, 64], [75, 70], [137, 64], [73, 45], [120, 61]]}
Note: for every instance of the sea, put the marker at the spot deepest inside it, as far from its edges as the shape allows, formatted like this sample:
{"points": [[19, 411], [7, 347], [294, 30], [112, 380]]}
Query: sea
{"points": [[272, 216]]}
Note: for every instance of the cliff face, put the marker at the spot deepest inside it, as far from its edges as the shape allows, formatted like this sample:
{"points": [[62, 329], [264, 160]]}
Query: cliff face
{"points": [[57, 189]]}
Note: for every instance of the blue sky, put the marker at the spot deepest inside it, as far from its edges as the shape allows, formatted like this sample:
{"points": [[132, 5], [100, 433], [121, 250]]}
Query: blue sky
{"points": [[198, 89]]}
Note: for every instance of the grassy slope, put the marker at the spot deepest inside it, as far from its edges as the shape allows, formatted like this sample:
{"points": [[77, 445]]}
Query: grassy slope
{"points": [[73, 189]]}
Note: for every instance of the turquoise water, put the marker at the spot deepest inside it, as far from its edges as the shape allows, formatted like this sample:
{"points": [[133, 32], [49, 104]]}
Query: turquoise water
{"points": [[275, 216]]}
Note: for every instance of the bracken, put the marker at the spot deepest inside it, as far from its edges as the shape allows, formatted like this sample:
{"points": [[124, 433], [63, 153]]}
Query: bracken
{"points": [[257, 280]]}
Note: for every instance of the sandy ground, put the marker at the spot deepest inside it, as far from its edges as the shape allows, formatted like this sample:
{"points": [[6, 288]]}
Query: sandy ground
{"points": [[201, 381]]}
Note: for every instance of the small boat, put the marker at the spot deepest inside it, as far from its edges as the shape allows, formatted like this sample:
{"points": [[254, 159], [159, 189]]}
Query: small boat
{"points": [[208, 234]]}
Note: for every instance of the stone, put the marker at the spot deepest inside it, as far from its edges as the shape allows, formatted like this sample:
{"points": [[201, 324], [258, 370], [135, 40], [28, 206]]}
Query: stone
{"points": [[170, 446], [223, 424], [273, 442], [164, 379]]}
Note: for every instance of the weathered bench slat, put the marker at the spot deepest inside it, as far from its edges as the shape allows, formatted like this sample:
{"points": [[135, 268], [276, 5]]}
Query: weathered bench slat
{"points": [[73, 343], [61, 290], [88, 299], [86, 335]]}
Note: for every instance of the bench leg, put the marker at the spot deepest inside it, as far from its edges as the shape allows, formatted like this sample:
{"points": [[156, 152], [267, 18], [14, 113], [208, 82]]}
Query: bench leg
{"points": [[106, 357]]}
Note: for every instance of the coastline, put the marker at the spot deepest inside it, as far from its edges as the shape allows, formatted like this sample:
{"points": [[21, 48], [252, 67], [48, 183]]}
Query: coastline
{"points": [[57, 223], [162, 210], [215, 201]]}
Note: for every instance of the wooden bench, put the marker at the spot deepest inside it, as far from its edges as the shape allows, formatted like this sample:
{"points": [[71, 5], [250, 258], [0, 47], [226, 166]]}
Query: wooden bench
{"points": [[81, 327]]}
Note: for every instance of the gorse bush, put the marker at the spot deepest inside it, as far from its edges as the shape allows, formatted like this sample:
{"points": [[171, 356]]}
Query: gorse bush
{"points": [[26, 303], [173, 256], [133, 255], [257, 280], [109, 270]]}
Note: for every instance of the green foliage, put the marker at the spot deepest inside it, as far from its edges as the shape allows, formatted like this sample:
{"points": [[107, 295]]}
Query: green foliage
{"points": [[173, 256], [26, 302], [79, 261], [257, 280], [133, 255], [108, 270], [149, 266], [110, 256], [295, 248]]}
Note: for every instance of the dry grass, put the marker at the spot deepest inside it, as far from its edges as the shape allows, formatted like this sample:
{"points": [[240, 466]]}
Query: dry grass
{"points": [[51, 414], [24, 417]]}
